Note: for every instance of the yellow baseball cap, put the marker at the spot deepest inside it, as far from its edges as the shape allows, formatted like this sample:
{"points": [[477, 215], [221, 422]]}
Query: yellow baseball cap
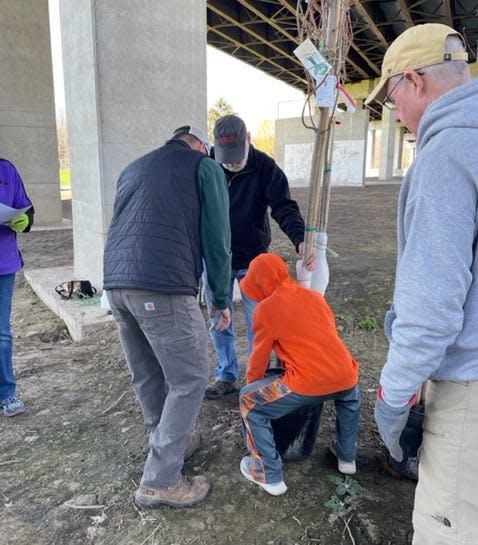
{"points": [[418, 47]]}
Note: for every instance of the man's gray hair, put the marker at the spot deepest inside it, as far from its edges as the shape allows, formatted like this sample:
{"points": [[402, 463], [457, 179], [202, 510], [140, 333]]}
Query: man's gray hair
{"points": [[455, 69]]}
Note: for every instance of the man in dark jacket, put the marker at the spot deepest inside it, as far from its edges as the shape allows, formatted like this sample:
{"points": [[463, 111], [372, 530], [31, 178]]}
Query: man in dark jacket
{"points": [[170, 214], [255, 183]]}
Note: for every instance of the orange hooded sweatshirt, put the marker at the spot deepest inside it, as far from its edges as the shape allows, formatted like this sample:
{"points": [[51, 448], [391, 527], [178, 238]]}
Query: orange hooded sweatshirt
{"points": [[299, 326]]}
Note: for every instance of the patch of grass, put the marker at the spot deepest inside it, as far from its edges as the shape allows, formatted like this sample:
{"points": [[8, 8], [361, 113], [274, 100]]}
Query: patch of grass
{"points": [[369, 323], [65, 334]]}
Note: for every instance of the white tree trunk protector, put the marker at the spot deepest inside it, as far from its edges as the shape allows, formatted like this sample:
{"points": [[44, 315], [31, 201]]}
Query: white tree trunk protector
{"points": [[320, 275]]}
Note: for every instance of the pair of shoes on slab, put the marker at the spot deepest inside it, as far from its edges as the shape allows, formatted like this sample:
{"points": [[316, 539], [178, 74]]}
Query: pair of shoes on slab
{"points": [[12, 406], [187, 492], [220, 388], [347, 468], [274, 489]]}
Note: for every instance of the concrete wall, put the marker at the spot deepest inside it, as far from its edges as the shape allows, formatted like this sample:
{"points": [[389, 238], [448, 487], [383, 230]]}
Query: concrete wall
{"points": [[134, 71], [27, 112], [294, 147]]}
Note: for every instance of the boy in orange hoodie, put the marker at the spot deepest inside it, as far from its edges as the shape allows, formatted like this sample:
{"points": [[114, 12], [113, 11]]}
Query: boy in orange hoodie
{"points": [[299, 326]]}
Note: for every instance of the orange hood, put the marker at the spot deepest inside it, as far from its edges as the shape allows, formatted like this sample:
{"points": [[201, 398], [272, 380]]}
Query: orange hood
{"points": [[266, 273]]}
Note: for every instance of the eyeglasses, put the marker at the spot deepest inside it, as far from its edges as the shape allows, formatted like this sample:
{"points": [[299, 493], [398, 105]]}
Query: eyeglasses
{"points": [[389, 101]]}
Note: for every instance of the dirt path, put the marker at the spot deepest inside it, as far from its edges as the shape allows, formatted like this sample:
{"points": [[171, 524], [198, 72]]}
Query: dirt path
{"points": [[70, 464]]}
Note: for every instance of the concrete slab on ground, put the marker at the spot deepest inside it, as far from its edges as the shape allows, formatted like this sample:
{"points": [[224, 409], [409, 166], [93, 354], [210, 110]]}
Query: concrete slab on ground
{"points": [[81, 317], [64, 224]]}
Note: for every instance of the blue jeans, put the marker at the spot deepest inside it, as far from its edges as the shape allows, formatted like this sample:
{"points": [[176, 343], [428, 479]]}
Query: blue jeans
{"points": [[268, 399], [227, 365], [7, 380]]}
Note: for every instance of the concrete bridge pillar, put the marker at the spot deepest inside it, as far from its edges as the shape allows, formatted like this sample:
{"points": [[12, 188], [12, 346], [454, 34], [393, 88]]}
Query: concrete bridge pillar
{"points": [[134, 71], [27, 110], [387, 145]]}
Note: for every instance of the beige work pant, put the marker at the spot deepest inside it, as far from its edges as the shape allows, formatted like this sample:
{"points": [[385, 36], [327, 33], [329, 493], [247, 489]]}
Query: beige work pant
{"points": [[446, 498]]}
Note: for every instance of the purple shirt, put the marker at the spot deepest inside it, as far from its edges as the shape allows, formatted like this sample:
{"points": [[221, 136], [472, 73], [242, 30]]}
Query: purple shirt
{"points": [[12, 193]]}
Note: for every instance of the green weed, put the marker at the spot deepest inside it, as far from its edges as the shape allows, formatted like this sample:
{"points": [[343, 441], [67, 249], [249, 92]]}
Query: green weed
{"points": [[343, 500], [369, 323]]}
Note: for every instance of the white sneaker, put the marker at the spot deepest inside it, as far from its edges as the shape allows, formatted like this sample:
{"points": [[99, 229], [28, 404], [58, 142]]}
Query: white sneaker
{"points": [[275, 489], [347, 468]]}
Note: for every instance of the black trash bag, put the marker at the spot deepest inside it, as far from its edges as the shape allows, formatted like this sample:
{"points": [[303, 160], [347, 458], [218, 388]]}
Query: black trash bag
{"points": [[295, 433], [410, 441]]}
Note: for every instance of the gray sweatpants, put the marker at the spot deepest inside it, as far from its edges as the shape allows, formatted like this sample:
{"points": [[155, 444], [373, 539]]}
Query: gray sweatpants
{"points": [[165, 342]]}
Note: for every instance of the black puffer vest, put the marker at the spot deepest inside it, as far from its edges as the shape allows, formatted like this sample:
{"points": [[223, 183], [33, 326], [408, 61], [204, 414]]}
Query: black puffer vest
{"points": [[154, 237]]}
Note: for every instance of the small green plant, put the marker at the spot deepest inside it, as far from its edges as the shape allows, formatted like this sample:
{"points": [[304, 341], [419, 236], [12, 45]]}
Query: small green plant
{"points": [[65, 334], [369, 323], [343, 500]]}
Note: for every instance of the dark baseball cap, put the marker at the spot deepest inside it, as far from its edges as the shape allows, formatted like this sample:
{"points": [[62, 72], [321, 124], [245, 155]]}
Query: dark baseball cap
{"points": [[230, 135]]}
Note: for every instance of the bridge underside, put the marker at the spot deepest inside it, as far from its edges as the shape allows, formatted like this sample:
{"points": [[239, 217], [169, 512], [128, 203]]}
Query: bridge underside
{"points": [[263, 33]]}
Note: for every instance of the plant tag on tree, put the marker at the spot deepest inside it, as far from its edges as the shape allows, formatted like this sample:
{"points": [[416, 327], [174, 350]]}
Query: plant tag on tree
{"points": [[313, 61], [326, 92]]}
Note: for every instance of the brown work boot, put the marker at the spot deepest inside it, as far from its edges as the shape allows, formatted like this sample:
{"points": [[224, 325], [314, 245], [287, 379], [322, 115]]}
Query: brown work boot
{"points": [[220, 388], [193, 446], [188, 491]]}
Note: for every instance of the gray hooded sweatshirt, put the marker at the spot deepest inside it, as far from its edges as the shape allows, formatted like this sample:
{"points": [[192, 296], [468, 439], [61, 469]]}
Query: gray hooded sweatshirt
{"points": [[433, 323]]}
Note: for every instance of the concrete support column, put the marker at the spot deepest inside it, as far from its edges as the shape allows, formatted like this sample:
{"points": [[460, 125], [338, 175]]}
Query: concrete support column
{"points": [[363, 118], [27, 111], [398, 158], [387, 145], [134, 71]]}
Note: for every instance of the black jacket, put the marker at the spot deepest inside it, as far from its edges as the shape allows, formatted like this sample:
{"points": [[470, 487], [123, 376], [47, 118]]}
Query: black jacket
{"points": [[261, 184], [154, 238]]}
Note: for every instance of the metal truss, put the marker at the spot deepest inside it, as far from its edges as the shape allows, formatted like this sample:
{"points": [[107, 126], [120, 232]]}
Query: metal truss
{"points": [[263, 33]]}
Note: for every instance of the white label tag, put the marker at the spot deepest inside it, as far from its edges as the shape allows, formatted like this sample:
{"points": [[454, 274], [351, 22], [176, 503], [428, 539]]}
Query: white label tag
{"points": [[149, 306], [313, 61], [326, 92]]}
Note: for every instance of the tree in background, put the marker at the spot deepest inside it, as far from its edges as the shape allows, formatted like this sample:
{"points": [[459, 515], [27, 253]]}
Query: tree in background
{"points": [[63, 151], [220, 108], [63, 157], [265, 137]]}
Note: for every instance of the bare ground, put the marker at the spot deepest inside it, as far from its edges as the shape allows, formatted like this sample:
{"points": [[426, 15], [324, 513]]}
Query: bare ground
{"points": [[69, 466]]}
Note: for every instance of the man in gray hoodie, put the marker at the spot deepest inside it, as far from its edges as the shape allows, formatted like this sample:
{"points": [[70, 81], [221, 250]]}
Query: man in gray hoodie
{"points": [[432, 325]]}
